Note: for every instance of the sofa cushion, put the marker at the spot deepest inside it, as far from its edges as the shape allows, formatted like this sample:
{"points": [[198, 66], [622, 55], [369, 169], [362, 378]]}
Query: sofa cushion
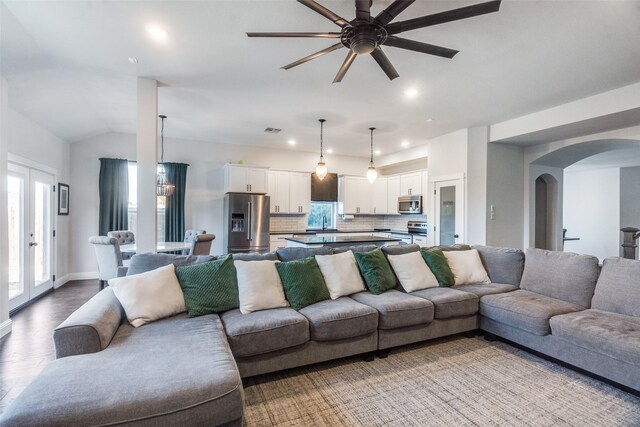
{"points": [[561, 275], [339, 319], [149, 296], [264, 331], [611, 334], [292, 254], [303, 282], [376, 271], [255, 256], [176, 371], [354, 249], [466, 267], [397, 309], [449, 302], [259, 286], [140, 263], [482, 289], [618, 287], [400, 249], [437, 262], [341, 274], [504, 265], [525, 310], [210, 287], [412, 271]]}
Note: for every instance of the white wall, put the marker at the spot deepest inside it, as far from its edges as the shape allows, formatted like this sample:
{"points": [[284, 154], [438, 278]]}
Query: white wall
{"points": [[30, 141], [204, 198], [478, 141], [5, 322], [591, 201]]}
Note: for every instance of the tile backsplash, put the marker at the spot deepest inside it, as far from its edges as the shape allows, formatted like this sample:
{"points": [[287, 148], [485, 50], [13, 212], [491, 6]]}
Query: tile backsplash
{"points": [[279, 223]]}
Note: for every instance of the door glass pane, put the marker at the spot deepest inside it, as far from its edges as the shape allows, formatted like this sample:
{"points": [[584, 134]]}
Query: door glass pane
{"points": [[16, 226], [42, 233], [447, 215]]}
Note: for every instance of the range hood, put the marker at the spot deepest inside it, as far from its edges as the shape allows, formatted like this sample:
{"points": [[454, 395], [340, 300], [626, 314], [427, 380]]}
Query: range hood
{"points": [[325, 190]]}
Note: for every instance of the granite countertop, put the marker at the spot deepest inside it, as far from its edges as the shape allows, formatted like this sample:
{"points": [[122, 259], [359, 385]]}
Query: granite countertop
{"points": [[325, 240], [293, 232], [330, 230]]}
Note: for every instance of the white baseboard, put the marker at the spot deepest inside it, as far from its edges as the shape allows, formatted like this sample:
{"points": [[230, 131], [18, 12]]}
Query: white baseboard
{"points": [[88, 275], [5, 327], [61, 281]]}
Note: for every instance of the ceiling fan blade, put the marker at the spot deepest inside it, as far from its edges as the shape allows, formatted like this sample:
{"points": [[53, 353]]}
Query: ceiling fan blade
{"points": [[363, 10], [318, 8], [314, 55], [345, 66], [442, 17], [392, 11], [321, 35], [427, 48], [384, 63]]}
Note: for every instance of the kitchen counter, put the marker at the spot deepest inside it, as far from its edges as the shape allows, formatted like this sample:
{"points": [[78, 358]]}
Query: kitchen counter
{"points": [[332, 231], [315, 241], [293, 232]]}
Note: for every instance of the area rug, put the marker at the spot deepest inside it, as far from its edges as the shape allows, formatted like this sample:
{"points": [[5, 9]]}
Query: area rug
{"points": [[457, 381]]}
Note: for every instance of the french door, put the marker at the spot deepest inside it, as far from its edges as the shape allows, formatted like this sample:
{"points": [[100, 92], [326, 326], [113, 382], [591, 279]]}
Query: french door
{"points": [[31, 210], [449, 212]]}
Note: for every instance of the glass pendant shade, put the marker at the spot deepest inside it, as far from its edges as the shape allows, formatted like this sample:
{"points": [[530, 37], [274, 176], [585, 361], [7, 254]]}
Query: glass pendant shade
{"points": [[321, 167], [372, 174], [164, 188]]}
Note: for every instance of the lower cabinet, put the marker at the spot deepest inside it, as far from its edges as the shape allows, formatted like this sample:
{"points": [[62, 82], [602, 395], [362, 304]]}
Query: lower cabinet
{"points": [[277, 241], [420, 240]]}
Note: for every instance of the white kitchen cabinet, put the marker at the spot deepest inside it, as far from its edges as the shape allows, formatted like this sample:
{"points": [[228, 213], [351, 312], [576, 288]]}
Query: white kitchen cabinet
{"points": [[393, 192], [411, 184], [300, 192], [380, 196], [245, 179], [420, 240], [279, 191], [354, 195], [277, 241]]}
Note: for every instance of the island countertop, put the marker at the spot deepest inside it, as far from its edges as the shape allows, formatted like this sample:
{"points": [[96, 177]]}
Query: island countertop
{"points": [[313, 241]]}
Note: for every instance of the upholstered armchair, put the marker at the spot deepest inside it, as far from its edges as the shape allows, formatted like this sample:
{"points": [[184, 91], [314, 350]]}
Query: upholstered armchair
{"points": [[108, 256], [189, 235], [124, 237]]}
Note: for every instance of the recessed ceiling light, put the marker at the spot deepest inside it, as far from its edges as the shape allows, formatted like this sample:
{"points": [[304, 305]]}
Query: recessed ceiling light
{"points": [[133, 59], [405, 143], [292, 142], [377, 152], [156, 33], [411, 92], [329, 150], [430, 119]]}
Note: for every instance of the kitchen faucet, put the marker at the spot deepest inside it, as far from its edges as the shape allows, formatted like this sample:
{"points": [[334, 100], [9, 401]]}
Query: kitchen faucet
{"points": [[324, 223]]}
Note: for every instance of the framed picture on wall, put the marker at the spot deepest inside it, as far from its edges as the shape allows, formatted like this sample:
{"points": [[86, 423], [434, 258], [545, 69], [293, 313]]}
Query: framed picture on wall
{"points": [[63, 199]]}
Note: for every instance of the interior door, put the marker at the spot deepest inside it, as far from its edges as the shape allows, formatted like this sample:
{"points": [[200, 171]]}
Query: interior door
{"points": [[30, 213], [449, 212]]}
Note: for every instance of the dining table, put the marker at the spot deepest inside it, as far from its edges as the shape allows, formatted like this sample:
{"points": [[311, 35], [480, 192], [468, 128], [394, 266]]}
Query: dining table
{"points": [[160, 247]]}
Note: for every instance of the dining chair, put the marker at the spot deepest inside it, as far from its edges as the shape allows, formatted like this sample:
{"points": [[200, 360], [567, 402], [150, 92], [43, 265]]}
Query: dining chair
{"points": [[201, 244], [108, 256], [124, 237], [188, 235]]}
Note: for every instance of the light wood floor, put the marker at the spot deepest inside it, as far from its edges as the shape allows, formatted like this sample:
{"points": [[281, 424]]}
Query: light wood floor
{"points": [[29, 346]]}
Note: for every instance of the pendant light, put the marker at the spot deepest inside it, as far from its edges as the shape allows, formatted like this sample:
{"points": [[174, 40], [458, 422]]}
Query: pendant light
{"points": [[372, 174], [321, 167], [163, 186]]}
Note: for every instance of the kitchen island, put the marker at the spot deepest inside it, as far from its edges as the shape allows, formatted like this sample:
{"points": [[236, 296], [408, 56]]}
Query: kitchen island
{"points": [[312, 241]]}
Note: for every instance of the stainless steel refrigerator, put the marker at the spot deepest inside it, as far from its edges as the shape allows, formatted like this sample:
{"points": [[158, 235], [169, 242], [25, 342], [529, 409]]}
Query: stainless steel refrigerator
{"points": [[247, 223]]}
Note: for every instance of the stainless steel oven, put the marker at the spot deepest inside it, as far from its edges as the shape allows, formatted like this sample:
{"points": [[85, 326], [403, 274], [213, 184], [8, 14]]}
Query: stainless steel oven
{"points": [[410, 204]]}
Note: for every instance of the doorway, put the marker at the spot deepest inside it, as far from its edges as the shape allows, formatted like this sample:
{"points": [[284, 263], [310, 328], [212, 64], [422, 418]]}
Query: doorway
{"points": [[30, 214], [546, 212], [449, 212]]}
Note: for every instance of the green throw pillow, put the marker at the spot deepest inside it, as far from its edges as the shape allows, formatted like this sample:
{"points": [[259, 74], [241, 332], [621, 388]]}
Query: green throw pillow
{"points": [[209, 287], [376, 271], [303, 282], [437, 262]]}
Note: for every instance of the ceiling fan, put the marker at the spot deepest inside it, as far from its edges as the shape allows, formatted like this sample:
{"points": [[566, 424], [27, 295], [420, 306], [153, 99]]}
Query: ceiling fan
{"points": [[364, 35]]}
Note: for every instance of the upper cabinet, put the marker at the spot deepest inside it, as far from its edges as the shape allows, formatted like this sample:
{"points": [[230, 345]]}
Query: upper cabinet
{"points": [[380, 196], [300, 194], [354, 195], [393, 192], [411, 184], [245, 179], [279, 191]]}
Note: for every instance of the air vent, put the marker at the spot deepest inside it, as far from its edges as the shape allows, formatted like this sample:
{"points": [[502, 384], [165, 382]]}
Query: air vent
{"points": [[272, 130]]}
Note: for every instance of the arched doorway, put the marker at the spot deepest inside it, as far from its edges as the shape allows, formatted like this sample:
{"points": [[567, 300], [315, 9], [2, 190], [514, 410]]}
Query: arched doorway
{"points": [[546, 211]]}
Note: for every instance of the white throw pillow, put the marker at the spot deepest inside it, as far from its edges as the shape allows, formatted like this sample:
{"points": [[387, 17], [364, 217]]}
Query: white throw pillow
{"points": [[259, 286], [149, 296], [341, 274], [412, 271], [466, 267]]}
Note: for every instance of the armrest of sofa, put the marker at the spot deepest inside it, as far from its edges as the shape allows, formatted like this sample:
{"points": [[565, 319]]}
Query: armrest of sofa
{"points": [[122, 270], [90, 328]]}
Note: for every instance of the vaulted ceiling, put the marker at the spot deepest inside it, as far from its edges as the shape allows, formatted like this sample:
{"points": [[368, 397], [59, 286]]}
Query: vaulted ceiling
{"points": [[67, 67]]}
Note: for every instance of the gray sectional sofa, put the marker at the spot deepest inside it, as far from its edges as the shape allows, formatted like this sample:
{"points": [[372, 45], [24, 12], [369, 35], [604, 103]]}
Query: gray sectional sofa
{"points": [[181, 371]]}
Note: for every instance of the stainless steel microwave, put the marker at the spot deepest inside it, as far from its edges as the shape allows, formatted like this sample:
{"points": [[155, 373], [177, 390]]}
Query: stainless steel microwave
{"points": [[410, 204]]}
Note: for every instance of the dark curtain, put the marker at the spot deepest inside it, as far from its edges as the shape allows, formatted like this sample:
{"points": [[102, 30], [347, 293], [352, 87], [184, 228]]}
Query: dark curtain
{"points": [[174, 205], [114, 195]]}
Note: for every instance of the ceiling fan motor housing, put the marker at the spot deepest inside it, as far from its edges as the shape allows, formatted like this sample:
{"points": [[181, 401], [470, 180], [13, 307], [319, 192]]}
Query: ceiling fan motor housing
{"points": [[363, 38]]}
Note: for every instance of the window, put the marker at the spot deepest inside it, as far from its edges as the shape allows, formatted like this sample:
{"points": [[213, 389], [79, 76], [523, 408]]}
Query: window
{"points": [[320, 211], [133, 203]]}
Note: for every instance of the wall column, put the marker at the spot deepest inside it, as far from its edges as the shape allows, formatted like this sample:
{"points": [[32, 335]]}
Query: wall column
{"points": [[147, 158], [477, 146], [5, 322]]}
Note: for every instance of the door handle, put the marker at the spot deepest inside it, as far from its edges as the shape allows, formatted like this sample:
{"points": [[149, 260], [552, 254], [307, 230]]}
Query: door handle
{"points": [[456, 236], [250, 206], [33, 243]]}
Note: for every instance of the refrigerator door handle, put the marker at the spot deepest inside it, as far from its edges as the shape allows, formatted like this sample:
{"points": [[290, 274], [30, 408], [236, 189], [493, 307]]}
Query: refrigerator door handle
{"points": [[250, 206]]}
